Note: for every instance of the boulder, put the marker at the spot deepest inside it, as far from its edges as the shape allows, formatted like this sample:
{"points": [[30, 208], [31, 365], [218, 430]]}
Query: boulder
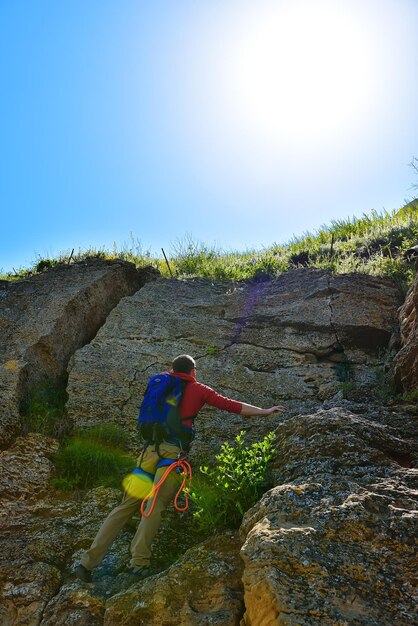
{"points": [[74, 605], [406, 361], [202, 588], [45, 318], [334, 542]]}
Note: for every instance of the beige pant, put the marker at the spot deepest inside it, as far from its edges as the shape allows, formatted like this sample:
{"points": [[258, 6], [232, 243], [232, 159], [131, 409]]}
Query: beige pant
{"points": [[147, 528]]}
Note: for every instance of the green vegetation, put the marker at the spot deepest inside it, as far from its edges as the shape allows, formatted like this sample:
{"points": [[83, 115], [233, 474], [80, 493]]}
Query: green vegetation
{"points": [[384, 389], [374, 244], [44, 410], [92, 457], [344, 372], [410, 396], [222, 494]]}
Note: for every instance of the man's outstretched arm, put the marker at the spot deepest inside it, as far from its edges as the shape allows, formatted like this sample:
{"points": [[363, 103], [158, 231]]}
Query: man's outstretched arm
{"points": [[248, 410], [235, 406]]}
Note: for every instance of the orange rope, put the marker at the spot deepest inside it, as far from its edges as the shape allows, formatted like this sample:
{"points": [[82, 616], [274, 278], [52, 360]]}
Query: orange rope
{"points": [[187, 474]]}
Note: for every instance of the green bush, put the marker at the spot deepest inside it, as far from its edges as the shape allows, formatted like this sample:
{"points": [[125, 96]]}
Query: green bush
{"points": [[93, 457], [44, 409], [44, 264], [344, 369], [222, 494], [384, 390]]}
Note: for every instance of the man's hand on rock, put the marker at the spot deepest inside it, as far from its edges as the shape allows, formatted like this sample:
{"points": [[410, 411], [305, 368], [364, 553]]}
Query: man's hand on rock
{"points": [[274, 409], [249, 410]]}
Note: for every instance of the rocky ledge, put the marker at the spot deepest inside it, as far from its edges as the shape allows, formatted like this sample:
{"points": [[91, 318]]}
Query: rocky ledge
{"points": [[335, 541]]}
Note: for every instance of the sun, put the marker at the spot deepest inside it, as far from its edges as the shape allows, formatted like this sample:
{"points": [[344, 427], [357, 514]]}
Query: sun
{"points": [[299, 71]]}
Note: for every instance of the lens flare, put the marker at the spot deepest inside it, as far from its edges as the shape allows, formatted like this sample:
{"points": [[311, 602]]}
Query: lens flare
{"points": [[138, 484]]}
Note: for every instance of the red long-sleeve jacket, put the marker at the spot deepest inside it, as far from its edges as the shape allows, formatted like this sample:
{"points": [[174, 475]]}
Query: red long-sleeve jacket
{"points": [[197, 395]]}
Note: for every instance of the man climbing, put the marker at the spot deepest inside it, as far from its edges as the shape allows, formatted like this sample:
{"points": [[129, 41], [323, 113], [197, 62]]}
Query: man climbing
{"points": [[152, 464]]}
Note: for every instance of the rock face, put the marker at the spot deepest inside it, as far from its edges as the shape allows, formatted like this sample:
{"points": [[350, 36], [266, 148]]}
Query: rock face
{"points": [[335, 541], [42, 532], [294, 339], [45, 318], [406, 361], [332, 543], [26, 584]]}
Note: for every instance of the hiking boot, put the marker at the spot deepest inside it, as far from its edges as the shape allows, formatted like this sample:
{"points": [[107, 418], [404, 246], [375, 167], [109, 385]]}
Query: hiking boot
{"points": [[142, 571], [83, 573]]}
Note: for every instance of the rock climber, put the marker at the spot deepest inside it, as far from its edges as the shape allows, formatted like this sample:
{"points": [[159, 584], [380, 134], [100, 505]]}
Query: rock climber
{"points": [[151, 463]]}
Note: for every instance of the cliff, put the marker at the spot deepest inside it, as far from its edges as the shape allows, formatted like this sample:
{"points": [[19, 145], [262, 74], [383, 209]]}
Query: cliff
{"points": [[294, 339], [45, 318], [331, 543], [406, 361]]}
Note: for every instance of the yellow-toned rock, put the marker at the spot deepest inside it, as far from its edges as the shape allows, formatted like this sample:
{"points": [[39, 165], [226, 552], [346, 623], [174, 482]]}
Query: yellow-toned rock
{"points": [[335, 541], [204, 587]]}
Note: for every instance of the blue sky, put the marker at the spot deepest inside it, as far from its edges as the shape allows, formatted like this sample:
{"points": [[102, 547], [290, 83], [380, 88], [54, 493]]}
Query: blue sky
{"points": [[241, 123]]}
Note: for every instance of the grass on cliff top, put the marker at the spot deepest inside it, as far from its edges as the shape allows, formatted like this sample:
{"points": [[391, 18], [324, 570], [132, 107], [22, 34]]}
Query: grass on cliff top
{"points": [[373, 244]]}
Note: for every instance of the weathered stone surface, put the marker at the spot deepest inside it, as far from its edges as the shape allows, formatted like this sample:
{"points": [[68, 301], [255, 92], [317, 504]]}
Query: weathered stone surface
{"points": [[202, 589], [26, 585], [335, 541], [23, 600], [263, 343], [45, 318], [25, 469], [406, 361], [43, 532], [73, 605]]}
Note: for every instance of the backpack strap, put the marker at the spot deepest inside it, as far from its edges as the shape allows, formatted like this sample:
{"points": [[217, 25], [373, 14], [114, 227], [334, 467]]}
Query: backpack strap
{"points": [[186, 419]]}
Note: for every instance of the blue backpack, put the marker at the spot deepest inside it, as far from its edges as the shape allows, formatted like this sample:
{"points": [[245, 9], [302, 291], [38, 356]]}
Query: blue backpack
{"points": [[159, 417]]}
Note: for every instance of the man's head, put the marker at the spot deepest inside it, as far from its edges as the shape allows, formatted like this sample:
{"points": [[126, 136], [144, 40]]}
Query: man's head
{"points": [[184, 364]]}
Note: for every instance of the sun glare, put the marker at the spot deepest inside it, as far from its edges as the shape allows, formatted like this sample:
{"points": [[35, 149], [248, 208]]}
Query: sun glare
{"points": [[299, 72]]}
